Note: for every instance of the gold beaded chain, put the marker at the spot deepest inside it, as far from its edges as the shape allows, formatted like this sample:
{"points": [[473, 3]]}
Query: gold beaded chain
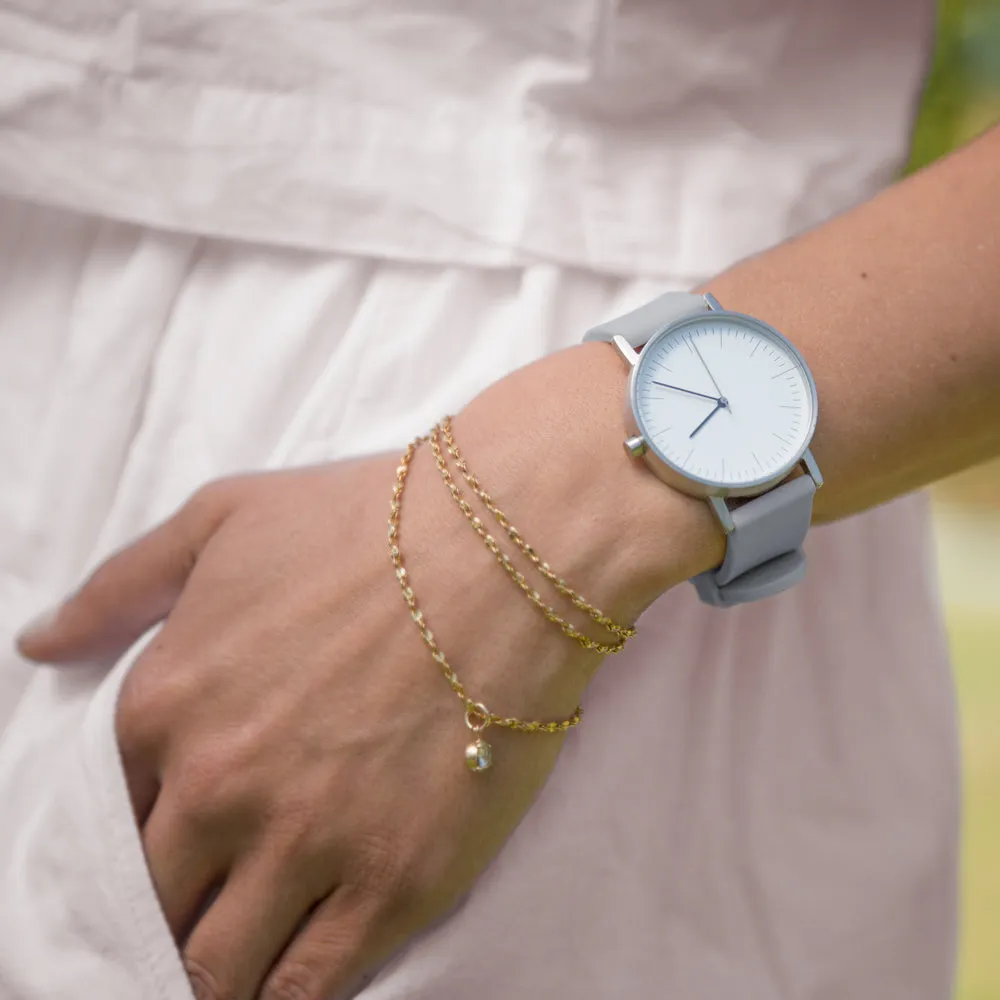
{"points": [[623, 632], [478, 754], [503, 559]]}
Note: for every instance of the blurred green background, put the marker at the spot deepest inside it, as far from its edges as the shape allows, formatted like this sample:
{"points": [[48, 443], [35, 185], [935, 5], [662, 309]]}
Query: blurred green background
{"points": [[961, 99]]}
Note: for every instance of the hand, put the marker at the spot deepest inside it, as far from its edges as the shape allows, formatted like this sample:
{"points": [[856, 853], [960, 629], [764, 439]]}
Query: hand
{"points": [[294, 757], [289, 741]]}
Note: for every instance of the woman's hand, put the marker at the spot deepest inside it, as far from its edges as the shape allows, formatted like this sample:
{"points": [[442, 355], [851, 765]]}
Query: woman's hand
{"points": [[288, 740], [295, 758]]}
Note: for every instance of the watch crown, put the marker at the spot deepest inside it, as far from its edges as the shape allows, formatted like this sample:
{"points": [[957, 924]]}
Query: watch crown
{"points": [[635, 447]]}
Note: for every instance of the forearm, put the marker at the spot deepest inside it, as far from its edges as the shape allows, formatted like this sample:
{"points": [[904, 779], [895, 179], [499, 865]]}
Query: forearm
{"points": [[896, 307]]}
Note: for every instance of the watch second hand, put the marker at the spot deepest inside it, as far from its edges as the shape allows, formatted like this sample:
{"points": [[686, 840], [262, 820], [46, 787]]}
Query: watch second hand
{"points": [[702, 360], [689, 391]]}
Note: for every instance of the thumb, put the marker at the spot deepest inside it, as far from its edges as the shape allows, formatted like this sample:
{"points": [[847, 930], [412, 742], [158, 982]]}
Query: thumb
{"points": [[133, 589]]}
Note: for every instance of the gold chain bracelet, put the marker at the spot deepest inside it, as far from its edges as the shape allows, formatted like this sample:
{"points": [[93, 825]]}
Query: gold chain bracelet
{"points": [[479, 753], [622, 632]]}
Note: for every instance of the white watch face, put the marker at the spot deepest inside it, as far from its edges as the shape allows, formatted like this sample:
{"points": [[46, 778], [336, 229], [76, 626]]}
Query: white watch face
{"points": [[724, 400]]}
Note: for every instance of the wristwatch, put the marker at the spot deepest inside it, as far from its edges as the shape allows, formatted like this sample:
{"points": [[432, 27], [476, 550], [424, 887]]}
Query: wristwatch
{"points": [[722, 406]]}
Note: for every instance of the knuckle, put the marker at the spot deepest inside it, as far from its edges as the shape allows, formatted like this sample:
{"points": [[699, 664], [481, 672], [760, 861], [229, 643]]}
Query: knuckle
{"points": [[201, 790], [302, 833], [209, 499], [151, 696], [150, 689], [211, 504], [294, 981], [387, 869], [131, 720], [218, 784]]}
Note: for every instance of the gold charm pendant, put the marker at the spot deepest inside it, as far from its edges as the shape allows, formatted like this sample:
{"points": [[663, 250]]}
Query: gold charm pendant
{"points": [[478, 754]]}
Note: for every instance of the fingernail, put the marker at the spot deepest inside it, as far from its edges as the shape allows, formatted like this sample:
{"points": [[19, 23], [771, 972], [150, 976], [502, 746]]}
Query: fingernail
{"points": [[38, 625]]}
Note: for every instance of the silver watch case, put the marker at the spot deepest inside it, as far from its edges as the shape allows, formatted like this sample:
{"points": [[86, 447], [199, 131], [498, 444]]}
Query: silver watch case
{"points": [[638, 445]]}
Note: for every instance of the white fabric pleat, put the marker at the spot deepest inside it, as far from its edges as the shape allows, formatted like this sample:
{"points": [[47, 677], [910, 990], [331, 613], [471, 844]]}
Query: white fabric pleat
{"points": [[762, 802]]}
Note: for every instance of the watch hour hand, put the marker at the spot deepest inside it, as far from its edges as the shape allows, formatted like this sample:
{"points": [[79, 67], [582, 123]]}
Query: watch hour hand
{"points": [[718, 406]]}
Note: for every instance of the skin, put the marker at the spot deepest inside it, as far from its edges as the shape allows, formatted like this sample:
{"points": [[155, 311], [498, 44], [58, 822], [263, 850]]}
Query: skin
{"points": [[287, 676]]}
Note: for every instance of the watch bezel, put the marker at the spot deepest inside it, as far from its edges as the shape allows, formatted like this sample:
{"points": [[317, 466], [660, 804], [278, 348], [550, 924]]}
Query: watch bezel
{"points": [[672, 474]]}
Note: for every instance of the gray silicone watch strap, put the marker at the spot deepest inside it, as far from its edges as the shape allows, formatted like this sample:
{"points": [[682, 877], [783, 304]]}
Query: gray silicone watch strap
{"points": [[764, 550], [640, 324]]}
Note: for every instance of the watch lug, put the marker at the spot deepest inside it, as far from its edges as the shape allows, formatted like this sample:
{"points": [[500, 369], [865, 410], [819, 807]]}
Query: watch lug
{"points": [[723, 514], [812, 469], [625, 349], [711, 301], [635, 447]]}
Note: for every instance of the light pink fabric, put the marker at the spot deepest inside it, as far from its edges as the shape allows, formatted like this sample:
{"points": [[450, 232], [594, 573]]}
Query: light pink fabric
{"points": [[663, 137], [762, 802]]}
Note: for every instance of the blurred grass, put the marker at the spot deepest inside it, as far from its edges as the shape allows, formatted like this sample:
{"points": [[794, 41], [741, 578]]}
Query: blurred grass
{"points": [[975, 644], [961, 99]]}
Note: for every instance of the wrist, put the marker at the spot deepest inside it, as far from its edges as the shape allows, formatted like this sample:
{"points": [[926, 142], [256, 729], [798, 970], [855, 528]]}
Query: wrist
{"points": [[549, 440], [546, 443]]}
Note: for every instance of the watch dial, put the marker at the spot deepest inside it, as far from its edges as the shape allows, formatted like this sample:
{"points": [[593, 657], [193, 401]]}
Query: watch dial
{"points": [[725, 401]]}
